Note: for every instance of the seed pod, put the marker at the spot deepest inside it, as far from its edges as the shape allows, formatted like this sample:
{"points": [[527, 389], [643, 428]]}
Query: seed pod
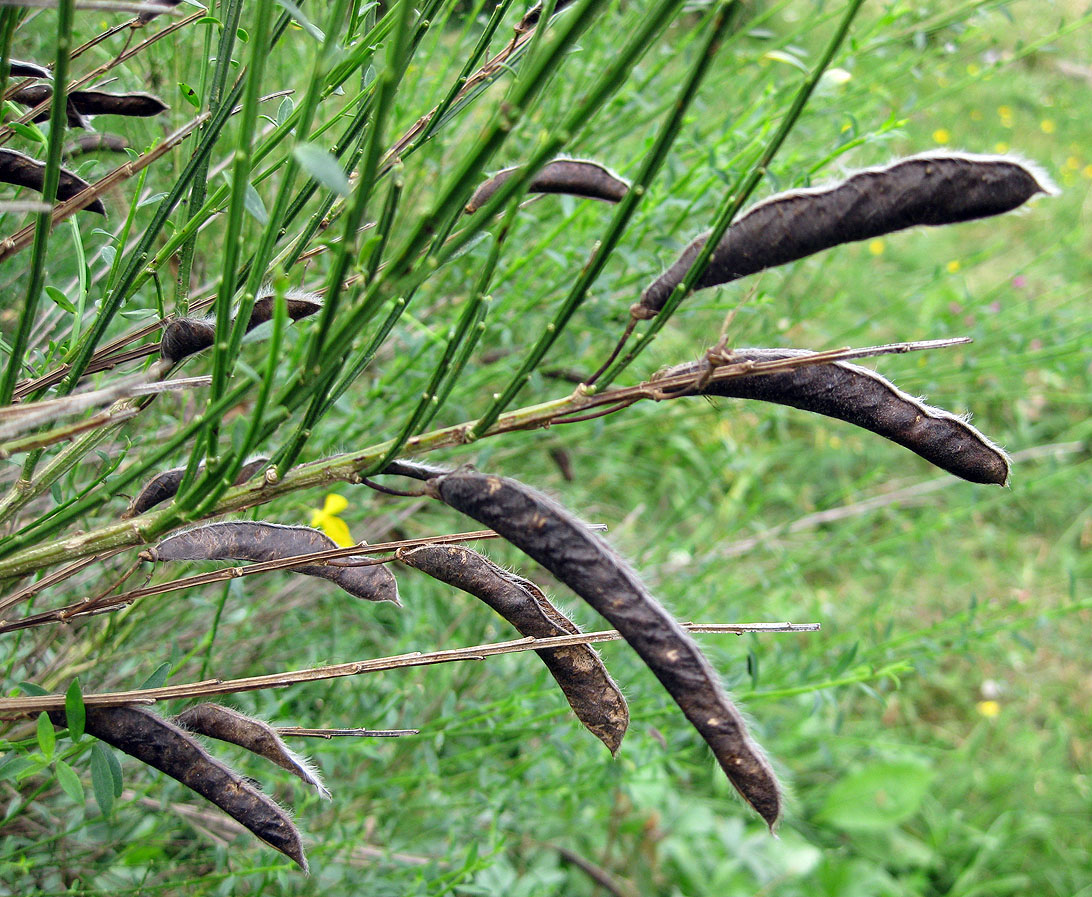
{"points": [[415, 470], [257, 736], [590, 567], [135, 105], [153, 740], [39, 93], [930, 189], [300, 303], [246, 540], [145, 17], [165, 486], [23, 171], [90, 143], [185, 337], [20, 69], [576, 177], [532, 16], [859, 396], [588, 687]]}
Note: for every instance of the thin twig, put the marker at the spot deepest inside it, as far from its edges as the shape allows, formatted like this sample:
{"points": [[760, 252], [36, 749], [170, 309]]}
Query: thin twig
{"points": [[16, 708]]}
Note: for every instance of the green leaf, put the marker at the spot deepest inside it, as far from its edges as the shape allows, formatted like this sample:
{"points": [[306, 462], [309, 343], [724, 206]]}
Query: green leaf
{"points": [[31, 689], [102, 779], [254, 205], [74, 711], [158, 677], [284, 110], [47, 736], [322, 166], [61, 299], [115, 769], [70, 782], [28, 132], [189, 94], [877, 797]]}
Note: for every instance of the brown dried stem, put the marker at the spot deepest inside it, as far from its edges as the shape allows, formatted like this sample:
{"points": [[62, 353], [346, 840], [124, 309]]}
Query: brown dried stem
{"points": [[18, 708]]}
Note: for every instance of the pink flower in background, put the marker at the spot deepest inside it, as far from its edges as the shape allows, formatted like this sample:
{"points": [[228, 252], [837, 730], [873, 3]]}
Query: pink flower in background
{"points": [[1019, 281]]}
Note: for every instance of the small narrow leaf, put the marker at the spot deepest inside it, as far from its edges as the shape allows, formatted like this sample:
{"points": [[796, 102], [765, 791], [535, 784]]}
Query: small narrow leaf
{"points": [[189, 94], [61, 299], [30, 688], [74, 710], [302, 20], [322, 166], [254, 205], [158, 677], [284, 110], [102, 779], [70, 782], [47, 736]]}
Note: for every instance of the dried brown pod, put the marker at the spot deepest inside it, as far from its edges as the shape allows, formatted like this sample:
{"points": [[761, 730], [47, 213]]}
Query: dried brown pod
{"points": [[145, 17], [185, 337], [96, 142], [929, 189], [246, 540], [160, 744], [23, 171], [576, 177], [20, 69], [300, 304], [257, 736], [532, 16], [591, 692], [859, 396], [590, 567], [165, 485], [80, 103]]}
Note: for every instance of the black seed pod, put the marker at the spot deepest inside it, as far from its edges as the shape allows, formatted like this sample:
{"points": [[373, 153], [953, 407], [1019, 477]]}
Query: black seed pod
{"points": [[165, 486], [576, 177], [245, 540], [930, 189], [591, 568], [164, 746], [257, 736], [859, 396], [185, 337], [23, 171], [591, 692]]}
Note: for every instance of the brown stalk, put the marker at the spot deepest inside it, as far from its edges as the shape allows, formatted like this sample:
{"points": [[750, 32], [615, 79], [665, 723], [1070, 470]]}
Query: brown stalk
{"points": [[21, 708]]}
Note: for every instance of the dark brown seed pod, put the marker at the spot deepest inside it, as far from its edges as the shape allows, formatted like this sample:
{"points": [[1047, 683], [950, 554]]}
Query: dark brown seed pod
{"points": [[145, 17], [257, 736], [576, 177], [91, 143], [300, 304], [160, 744], [23, 171], [578, 669], [590, 567], [185, 337], [40, 93], [930, 189], [246, 540], [532, 16], [859, 396], [165, 486], [20, 69]]}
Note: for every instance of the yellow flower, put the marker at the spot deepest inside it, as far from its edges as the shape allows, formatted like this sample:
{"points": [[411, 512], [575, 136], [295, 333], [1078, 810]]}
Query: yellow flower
{"points": [[953, 266], [1047, 125], [328, 521], [988, 709], [876, 247], [972, 69], [941, 135], [1001, 147], [1004, 112], [1087, 172], [1073, 163]]}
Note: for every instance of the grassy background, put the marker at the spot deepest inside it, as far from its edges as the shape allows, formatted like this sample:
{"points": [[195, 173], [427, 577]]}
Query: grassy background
{"points": [[935, 737]]}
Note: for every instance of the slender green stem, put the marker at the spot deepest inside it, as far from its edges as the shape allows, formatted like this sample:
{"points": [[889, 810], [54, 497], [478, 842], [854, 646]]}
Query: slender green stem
{"points": [[721, 21], [66, 11], [740, 193]]}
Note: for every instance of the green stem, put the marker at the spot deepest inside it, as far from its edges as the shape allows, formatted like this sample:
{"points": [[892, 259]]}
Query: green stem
{"points": [[66, 11]]}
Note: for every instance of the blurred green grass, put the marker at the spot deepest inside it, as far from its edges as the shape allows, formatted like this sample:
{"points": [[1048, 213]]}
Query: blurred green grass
{"points": [[974, 594]]}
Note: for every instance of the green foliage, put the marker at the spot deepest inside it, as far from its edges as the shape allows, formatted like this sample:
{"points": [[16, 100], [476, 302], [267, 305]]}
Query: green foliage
{"points": [[933, 736]]}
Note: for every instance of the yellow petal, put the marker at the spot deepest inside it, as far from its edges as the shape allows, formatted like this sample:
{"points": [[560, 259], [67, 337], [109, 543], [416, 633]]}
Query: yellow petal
{"points": [[317, 517], [338, 530], [335, 503]]}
